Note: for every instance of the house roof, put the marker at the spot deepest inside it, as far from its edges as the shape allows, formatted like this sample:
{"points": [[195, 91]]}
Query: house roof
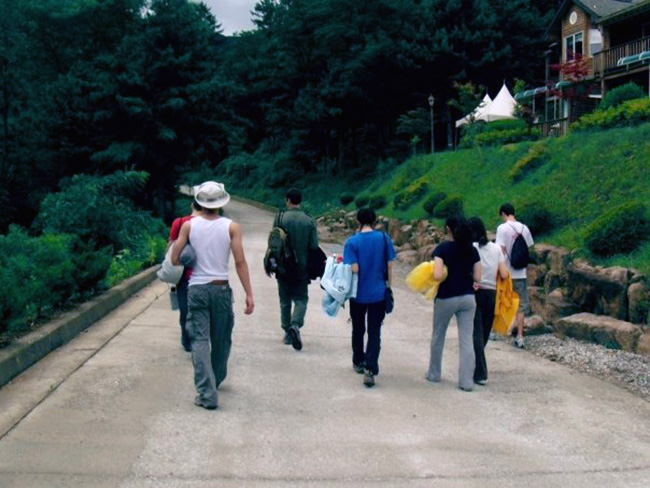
{"points": [[598, 9]]}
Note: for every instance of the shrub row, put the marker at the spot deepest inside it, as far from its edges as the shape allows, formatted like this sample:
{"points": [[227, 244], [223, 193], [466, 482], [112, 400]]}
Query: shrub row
{"points": [[621, 230], [91, 236], [411, 194], [499, 138], [630, 113], [536, 156]]}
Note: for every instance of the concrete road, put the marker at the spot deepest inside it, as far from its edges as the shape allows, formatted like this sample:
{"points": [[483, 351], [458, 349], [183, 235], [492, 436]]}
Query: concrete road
{"points": [[120, 414]]}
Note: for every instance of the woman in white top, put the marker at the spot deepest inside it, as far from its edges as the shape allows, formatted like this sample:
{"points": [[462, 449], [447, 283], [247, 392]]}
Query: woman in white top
{"points": [[493, 261]]}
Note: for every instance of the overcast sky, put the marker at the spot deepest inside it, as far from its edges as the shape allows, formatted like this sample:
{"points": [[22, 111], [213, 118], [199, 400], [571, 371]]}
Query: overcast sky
{"points": [[233, 15]]}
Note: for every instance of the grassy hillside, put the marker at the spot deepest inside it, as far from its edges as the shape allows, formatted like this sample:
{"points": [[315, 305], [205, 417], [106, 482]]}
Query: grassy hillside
{"points": [[577, 178], [580, 177]]}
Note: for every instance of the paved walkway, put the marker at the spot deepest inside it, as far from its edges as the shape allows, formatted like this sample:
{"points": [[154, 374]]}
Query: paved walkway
{"points": [[120, 414]]}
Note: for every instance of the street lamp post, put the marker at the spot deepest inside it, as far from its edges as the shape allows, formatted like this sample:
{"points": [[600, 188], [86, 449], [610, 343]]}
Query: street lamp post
{"points": [[431, 102]]}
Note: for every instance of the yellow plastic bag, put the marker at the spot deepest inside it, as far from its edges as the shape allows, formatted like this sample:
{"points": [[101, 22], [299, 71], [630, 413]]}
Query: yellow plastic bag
{"points": [[506, 306], [421, 280]]}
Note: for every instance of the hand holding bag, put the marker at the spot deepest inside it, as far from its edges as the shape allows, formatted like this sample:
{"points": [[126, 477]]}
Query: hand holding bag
{"points": [[168, 272], [388, 294]]}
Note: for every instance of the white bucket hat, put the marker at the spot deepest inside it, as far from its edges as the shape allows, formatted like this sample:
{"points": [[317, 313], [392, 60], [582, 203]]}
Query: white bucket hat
{"points": [[211, 195]]}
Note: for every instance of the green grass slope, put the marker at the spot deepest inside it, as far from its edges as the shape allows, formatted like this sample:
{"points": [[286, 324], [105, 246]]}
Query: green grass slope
{"points": [[582, 176]]}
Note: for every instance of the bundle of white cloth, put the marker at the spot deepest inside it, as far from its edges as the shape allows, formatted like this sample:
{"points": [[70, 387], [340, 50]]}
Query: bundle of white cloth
{"points": [[339, 284]]}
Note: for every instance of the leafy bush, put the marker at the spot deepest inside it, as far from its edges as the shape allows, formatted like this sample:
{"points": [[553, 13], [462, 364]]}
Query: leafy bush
{"points": [[41, 274], [536, 156], [346, 198], [377, 202], [538, 217], [630, 113], [431, 202], [620, 94], [411, 194], [501, 137], [619, 231], [449, 207], [99, 210], [470, 131], [361, 200]]}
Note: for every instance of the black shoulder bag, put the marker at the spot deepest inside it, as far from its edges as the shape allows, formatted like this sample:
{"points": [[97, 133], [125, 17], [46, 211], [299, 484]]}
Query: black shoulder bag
{"points": [[388, 295]]}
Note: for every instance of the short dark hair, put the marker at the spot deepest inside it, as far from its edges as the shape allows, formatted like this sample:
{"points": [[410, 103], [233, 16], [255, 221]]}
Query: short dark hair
{"points": [[366, 216], [507, 208], [196, 206], [294, 196]]}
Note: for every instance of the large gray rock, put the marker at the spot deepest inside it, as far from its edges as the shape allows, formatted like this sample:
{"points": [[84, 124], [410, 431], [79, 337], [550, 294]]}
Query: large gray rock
{"points": [[638, 298], [598, 290], [535, 274], [550, 306], [644, 343], [607, 331], [536, 325], [409, 258]]}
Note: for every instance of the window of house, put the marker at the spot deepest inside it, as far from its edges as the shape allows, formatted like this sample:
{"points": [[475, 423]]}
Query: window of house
{"points": [[573, 46], [595, 41]]}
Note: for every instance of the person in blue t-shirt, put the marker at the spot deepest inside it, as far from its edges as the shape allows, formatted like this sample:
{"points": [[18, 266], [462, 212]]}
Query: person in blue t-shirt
{"points": [[370, 253]]}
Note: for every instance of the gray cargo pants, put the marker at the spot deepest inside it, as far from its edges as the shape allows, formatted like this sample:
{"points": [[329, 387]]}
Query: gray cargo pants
{"points": [[210, 322], [464, 308]]}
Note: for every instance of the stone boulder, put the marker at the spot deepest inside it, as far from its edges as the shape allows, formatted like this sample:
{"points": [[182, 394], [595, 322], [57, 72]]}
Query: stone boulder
{"points": [[638, 299], [643, 346], [401, 235], [550, 306], [409, 258], [424, 253], [535, 325], [535, 274], [599, 290], [600, 329]]}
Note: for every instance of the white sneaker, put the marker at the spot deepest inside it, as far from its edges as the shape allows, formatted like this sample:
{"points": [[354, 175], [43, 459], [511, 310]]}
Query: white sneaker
{"points": [[519, 343]]}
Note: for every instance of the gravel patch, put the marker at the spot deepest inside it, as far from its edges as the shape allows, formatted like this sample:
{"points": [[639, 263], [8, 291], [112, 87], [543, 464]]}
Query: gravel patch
{"points": [[626, 369]]}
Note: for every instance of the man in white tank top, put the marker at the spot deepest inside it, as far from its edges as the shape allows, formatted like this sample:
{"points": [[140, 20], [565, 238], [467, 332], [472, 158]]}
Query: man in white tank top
{"points": [[211, 319]]}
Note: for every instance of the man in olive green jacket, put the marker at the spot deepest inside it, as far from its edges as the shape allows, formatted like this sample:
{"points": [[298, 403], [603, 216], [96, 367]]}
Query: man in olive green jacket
{"points": [[303, 236]]}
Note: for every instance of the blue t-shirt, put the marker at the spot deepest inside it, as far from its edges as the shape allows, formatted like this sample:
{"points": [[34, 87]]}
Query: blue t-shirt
{"points": [[369, 251]]}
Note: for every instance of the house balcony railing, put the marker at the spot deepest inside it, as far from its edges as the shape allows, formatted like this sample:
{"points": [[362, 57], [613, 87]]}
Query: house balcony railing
{"points": [[608, 59], [553, 128]]}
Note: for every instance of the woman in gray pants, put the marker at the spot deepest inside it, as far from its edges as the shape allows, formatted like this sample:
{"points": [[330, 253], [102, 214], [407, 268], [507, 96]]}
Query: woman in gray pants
{"points": [[455, 297]]}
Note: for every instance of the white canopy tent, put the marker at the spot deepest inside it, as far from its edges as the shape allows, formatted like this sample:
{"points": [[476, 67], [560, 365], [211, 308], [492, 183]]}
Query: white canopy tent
{"points": [[502, 107], [478, 111]]}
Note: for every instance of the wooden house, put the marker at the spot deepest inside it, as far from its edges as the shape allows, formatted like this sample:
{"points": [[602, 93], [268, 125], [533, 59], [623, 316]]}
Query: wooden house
{"points": [[595, 45]]}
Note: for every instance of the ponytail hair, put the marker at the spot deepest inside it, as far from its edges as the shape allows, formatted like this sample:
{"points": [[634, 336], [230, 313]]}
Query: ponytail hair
{"points": [[479, 234], [461, 231]]}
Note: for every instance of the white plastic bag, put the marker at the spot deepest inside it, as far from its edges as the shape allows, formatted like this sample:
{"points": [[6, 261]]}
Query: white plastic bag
{"points": [[168, 272]]}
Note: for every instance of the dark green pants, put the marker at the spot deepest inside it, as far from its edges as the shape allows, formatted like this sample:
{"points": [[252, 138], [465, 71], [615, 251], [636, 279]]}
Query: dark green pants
{"points": [[293, 293], [210, 322]]}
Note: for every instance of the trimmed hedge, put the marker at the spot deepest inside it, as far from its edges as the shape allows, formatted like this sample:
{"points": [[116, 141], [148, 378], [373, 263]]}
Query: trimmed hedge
{"points": [[619, 231], [361, 201], [536, 156], [630, 113], [539, 219], [620, 94], [377, 201], [449, 207], [499, 138], [432, 201], [346, 198], [411, 194]]}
